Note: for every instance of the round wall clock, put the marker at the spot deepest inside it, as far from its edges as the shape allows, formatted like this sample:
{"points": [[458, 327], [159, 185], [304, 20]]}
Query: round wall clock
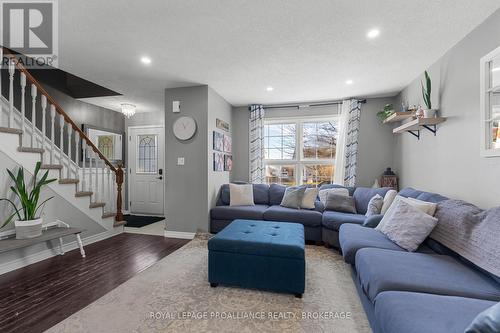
{"points": [[184, 128]]}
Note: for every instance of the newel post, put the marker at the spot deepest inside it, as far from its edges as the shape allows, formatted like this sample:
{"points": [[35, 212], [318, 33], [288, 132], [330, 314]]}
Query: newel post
{"points": [[119, 182]]}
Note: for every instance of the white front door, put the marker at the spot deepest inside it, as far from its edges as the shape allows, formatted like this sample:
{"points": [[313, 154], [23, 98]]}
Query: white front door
{"points": [[146, 170]]}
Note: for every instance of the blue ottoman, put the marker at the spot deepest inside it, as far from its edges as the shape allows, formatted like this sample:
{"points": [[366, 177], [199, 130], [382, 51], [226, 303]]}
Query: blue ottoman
{"points": [[260, 255]]}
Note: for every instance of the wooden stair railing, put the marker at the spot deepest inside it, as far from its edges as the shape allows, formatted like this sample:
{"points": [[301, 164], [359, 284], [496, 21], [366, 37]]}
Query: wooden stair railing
{"points": [[113, 174]]}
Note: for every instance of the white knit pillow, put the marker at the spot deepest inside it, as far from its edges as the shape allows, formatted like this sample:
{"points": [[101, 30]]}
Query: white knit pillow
{"points": [[309, 198], [241, 195], [388, 199]]}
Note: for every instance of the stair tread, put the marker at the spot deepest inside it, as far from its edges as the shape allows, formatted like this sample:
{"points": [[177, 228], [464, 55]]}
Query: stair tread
{"points": [[51, 166], [119, 223], [68, 181], [83, 193], [30, 150], [97, 204], [10, 130]]}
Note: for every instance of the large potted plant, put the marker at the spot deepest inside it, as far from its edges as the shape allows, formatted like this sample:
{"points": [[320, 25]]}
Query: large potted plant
{"points": [[28, 222], [426, 93]]}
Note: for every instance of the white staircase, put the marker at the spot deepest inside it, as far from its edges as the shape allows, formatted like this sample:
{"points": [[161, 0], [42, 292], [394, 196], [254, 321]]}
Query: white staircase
{"points": [[85, 176]]}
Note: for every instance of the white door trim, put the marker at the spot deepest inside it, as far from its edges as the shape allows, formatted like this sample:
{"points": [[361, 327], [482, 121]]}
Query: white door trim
{"points": [[128, 162]]}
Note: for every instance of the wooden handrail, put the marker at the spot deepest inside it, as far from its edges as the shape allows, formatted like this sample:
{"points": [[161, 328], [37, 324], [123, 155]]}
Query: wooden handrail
{"points": [[59, 109]]}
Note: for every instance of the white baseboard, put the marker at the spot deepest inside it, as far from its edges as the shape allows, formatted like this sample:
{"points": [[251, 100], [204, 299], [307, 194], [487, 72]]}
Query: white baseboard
{"points": [[48, 253], [179, 234]]}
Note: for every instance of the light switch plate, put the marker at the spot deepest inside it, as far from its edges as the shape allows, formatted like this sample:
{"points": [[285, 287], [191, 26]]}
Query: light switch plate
{"points": [[180, 160], [176, 106]]}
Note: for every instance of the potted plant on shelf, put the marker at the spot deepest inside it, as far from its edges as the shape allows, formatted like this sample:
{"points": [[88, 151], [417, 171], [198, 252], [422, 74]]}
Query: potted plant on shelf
{"points": [[386, 112], [28, 223], [426, 93]]}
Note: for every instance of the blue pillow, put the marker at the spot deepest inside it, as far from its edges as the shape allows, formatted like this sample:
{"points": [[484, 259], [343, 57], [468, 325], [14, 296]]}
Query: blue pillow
{"points": [[487, 321]]}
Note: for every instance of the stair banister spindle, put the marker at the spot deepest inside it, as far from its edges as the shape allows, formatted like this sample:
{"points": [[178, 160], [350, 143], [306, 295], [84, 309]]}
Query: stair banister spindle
{"points": [[109, 203], [52, 134], [12, 70], [33, 114], [23, 103], [61, 139], [91, 184], [70, 131], [96, 168], [84, 165], [77, 153], [113, 196], [44, 116], [103, 189], [119, 200]]}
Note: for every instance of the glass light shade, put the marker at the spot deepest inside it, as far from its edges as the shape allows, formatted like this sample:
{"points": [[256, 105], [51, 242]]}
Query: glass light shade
{"points": [[128, 109]]}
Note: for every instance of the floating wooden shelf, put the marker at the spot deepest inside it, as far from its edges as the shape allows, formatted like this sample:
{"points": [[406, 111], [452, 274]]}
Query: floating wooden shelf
{"points": [[399, 116], [413, 127]]}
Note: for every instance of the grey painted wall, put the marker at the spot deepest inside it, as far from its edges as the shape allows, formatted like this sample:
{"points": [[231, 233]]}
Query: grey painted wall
{"points": [[57, 208], [217, 108], [375, 140], [450, 162], [186, 189]]}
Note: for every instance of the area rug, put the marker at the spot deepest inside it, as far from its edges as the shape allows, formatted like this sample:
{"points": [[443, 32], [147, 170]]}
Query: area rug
{"points": [[138, 221], [174, 296]]}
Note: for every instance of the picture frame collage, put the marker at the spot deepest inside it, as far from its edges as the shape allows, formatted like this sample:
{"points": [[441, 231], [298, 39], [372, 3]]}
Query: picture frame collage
{"points": [[222, 146]]}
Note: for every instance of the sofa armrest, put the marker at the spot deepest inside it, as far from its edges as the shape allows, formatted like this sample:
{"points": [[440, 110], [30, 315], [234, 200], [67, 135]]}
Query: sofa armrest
{"points": [[373, 221]]}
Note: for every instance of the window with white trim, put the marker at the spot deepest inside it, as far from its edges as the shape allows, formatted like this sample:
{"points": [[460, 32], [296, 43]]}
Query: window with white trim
{"points": [[300, 151]]}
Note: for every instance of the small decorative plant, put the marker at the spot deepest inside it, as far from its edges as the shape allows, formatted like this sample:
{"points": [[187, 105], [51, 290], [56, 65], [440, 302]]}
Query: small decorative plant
{"points": [[28, 209], [386, 112], [426, 91]]}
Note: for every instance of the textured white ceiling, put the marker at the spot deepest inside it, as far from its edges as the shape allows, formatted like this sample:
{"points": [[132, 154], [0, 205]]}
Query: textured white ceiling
{"points": [[305, 49]]}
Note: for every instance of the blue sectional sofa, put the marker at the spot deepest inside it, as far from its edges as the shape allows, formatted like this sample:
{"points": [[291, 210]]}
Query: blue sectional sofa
{"points": [[319, 224], [430, 290]]}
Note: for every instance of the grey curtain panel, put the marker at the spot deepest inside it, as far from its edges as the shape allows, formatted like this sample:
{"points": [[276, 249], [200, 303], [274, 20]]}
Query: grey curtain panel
{"points": [[256, 133], [351, 143]]}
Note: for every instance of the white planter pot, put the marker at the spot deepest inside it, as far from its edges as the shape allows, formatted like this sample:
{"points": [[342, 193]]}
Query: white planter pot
{"points": [[430, 113], [28, 229]]}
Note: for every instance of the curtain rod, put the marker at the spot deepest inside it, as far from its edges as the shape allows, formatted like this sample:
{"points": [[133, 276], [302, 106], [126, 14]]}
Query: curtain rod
{"points": [[298, 106]]}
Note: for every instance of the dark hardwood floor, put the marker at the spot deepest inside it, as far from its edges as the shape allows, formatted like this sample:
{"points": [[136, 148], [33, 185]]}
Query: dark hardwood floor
{"points": [[36, 297]]}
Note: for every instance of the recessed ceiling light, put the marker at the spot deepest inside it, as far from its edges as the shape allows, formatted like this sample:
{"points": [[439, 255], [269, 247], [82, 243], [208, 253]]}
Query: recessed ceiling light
{"points": [[496, 69], [349, 82], [269, 88], [146, 60], [373, 33]]}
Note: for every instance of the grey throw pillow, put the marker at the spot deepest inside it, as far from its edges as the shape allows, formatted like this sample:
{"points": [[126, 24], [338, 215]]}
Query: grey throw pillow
{"points": [[293, 197], [487, 321], [375, 205], [340, 203], [407, 226]]}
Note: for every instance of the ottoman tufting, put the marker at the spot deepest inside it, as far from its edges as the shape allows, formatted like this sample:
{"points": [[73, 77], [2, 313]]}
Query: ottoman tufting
{"points": [[260, 255]]}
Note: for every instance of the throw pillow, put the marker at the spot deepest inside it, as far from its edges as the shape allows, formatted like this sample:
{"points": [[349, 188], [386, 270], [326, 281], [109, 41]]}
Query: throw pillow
{"points": [[323, 194], [374, 205], [241, 195], [340, 203], [408, 226], [309, 198], [426, 207], [487, 321], [293, 197], [388, 199]]}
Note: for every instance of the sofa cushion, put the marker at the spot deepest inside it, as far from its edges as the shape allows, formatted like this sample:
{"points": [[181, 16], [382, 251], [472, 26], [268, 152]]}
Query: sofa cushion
{"points": [[238, 212], [333, 220], [241, 195], [276, 193], [353, 237], [409, 312], [260, 194], [421, 195], [340, 203], [382, 270], [363, 195], [309, 218]]}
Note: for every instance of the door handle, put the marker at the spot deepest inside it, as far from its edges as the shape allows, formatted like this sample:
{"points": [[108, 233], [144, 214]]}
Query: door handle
{"points": [[159, 177]]}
